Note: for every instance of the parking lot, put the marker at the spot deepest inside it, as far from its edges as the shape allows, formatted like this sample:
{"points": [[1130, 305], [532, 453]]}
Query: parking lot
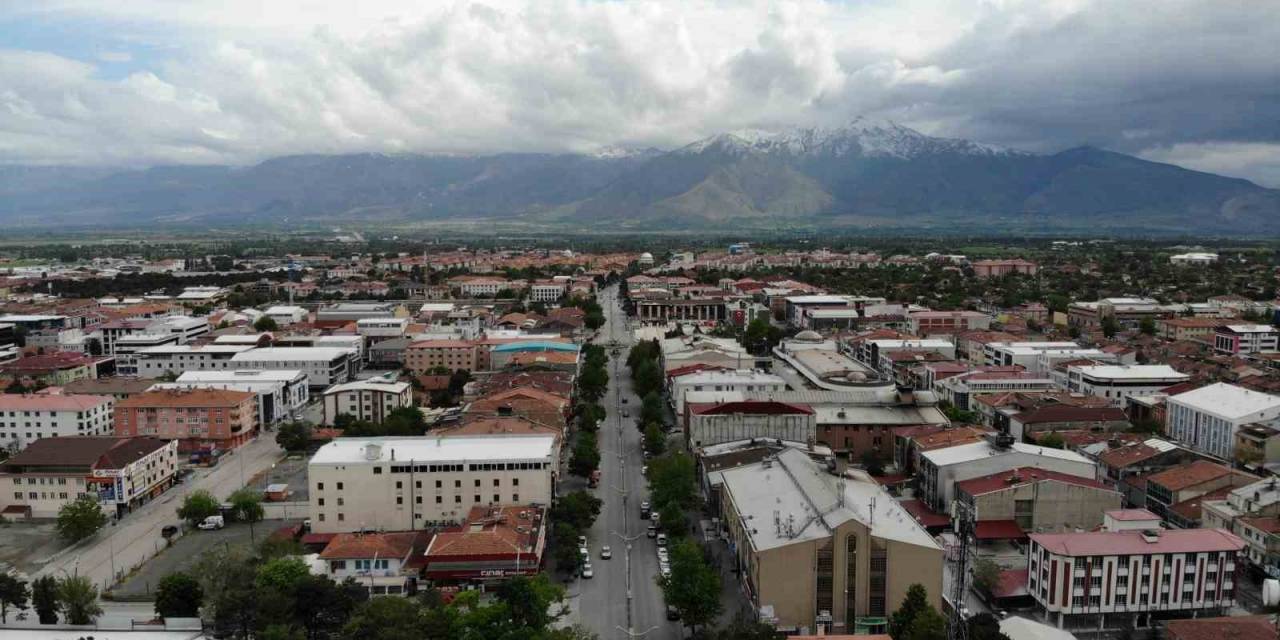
{"points": [[186, 551], [291, 471], [27, 546]]}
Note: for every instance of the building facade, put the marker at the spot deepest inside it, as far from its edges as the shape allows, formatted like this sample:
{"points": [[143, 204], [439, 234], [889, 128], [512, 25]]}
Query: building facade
{"points": [[25, 418], [122, 473], [368, 400], [196, 418], [1207, 419]]}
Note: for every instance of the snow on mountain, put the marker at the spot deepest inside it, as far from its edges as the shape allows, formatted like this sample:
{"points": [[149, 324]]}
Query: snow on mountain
{"points": [[862, 136]]}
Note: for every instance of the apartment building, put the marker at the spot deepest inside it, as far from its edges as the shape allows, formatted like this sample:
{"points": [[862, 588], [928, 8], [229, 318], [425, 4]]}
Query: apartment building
{"points": [[548, 290], [1000, 268], [959, 390], [1170, 489], [1207, 419], [402, 484], [942, 469], [54, 369], [382, 563], [369, 400], [1010, 504], [926, 323], [154, 362], [199, 419], [1236, 339], [281, 391], [25, 418], [1118, 382], [1193, 329], [1253, 513], [813, 548], [1133, 573], [324, 366], [378, 329], [122, 473], [422, 357]]}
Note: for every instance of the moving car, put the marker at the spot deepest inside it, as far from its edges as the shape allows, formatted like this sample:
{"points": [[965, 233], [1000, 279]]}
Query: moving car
{"points": [[606, 552], [626, 413]]}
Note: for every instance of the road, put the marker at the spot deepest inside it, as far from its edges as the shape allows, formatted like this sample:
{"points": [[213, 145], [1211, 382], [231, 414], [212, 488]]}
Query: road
{"points": [[603, 601], [136, 538]]}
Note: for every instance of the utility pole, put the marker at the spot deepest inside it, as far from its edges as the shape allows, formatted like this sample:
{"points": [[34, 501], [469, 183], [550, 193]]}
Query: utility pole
{"points": [[957, 626]]}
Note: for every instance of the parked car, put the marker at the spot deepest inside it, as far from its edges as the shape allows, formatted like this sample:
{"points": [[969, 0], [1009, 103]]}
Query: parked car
{"points": [[587, 572], [169, 530], [606, 552], [212, 523], [672, 613], [662, 539], [582, 541], [653, 531], [582, 551]]}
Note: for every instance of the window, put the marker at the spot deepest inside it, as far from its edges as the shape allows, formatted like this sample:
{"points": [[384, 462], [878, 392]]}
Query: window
{"points": [[339, 486], [515, 482], [322, 517], [476, 498], [320, 502], [399, 499], [457, 484], [340, 502], [341, 517], [399, 484], [1077, 601], [496, 499], [439, 484], [495, 482], [477, 482], [439, 499], [457, 499]]}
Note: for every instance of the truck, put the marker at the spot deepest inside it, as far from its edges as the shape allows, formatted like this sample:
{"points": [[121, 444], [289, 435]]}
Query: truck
{"points": [[594, 479]]}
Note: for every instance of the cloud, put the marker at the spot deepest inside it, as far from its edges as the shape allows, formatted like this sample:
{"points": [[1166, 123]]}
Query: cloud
{"points": [[115, 56], [238, 81]]}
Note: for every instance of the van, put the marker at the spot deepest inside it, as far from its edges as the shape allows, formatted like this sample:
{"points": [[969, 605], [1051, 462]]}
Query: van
{"points": [[212, 523]]}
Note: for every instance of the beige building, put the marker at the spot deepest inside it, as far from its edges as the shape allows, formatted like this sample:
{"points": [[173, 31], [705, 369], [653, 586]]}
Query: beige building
{"points": [[371, 400], [403, 484], [1029, 499], [815, 548], [422, 357], [122, 473]]}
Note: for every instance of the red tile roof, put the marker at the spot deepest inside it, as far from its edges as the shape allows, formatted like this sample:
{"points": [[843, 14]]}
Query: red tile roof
{"points": [[487, 533], [370, 545], [1066, 413], [1233, 628], [1020, 477], [1190, 509], [1189, 475], [924, 515], [1110, 543], [998, 530], [749, 407]]}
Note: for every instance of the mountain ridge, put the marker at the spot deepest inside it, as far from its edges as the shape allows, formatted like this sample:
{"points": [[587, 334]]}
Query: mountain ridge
{"points": [[864, 169]]}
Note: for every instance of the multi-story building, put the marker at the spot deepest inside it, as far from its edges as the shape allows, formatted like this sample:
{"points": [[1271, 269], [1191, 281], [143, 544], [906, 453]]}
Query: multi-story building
{"points": [[1207, 419], [369, 400], [547, 290], [722, 381], [942, 469], [402, 484], [285, 315], [925, 323], [1194, 329], [708, 424], [960, 389], [1028, 499], [25, 418], [1133, 572], [1128, 313], [377, 329], [122, 473], [324, 366], [281, 392], [422, 357], [196, 418], [1253, 513], [155, 362], [117, 387], [1169, 489], [1198, 258], [998, 268], [1246, 338], [666, 310], [814, 548], [54, 369], [1118, 382]]}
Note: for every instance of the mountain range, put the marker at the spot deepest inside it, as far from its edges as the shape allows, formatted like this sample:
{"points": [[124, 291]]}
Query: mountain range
{"points": [[862, 174]]}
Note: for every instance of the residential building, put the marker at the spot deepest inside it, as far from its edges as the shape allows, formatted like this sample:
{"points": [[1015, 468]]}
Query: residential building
{"points": [[117, 387], [1258, 446], [121, 473], [1236, 339], [54, 369], [1062, 417], [1191, 329], [454, 355], [490, 545], [1252, 512], [25, 418], [547, 290], [281, 392], [382, 563], [941, 469], [199, 419], [368, 400], [324, 366], [1207, 419], [1118, 382], [1010, 504], [285, 315], [400, 484], [999, 268], [926, 323], [813, 548], [1177, 485], [708, 424], [377, 329], [155, 362], [538, 405], [1128, 313], [525, 351], [959, 390]]}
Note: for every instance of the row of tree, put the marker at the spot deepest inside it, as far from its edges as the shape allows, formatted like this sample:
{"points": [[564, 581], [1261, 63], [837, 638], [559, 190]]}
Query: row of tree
{"points": [[72, 597], [593, 382]]}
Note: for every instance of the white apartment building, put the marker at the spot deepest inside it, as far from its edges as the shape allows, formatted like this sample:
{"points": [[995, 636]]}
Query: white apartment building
{"points": [[1246, 338], [25, 418], [740, 380], [400, 484], [122, 473], [547, 290], [274, 395], [1117, 382], [960, 389], [1133, 572], [1024, 354], [324, 366], [1207, 419], [376, 329], [371, 400], [153, 362], [1194, 258], [285, 315]]}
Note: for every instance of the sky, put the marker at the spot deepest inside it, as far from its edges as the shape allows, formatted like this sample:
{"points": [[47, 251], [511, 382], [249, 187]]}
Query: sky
{"points": [[146, 82]]}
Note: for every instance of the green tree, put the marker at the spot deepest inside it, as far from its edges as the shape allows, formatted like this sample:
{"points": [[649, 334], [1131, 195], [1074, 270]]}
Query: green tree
{"points": [[227, 576], [385, 619], [1110, 327], [985, 626], [655, 441], [693, 588], [321, 606], [80, 518], [13, 593], [673, 520], [1147, 326], [565, 539], [986, 576], [1053, 440], [281, 574], [528, 601], [928, 625], [78, 599], [197, 506], [265, 323], [586, 455], [673, 480], [179, 596], [916, 601], [578, 509], [592, 383], [744, 628], [44, 599], [294, 436], [246, 506], [652, 410]]}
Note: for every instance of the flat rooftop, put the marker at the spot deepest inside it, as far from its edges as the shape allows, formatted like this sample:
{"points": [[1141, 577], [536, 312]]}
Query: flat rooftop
{"points": [[1227, 401], [436, 449]]}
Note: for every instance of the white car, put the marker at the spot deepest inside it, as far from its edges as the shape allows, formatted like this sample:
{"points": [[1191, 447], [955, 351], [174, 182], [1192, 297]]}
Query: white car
{"points": [[606, 552], [663, 555], [587, 572], [582, 551]]}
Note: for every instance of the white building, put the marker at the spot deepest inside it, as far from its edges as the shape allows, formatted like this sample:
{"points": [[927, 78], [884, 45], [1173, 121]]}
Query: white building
{"points": [[376, 329], [1246, 338], [280, 393], [960, 389], [1133, 572], [1193, 258], [1207, 419], [941, 469], [398, 484], [324, 366], [153, 362], [122, 473], [547, 290], [1117, 382], [1249, 512], [371, 400], [1027, 354], [285, 315], [740, 380], [25, 418]]}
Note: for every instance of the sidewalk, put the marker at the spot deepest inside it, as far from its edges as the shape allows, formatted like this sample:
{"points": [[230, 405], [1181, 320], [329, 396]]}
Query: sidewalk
{"points": [[733, 600]]}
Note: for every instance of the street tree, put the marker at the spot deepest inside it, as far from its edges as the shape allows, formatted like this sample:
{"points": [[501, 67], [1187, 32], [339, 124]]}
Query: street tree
{"points": [[281, 574], [44, 599], [577, 508], [179, 596], [80, 518], [693, 588], [321, 606], [78, 599], [197, 506], [586, 455], [13, 593], [655, 441], [928, 625], [294, 436], [986, 576], [385, 619], [917, 600]]}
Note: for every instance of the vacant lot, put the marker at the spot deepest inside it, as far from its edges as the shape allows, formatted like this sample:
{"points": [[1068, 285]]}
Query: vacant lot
{"points": [[186, 550], [27, 546], [291, 471]]}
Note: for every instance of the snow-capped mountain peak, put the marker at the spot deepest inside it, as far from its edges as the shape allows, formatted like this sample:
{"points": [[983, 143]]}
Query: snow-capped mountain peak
{"points": [[861, 136]]}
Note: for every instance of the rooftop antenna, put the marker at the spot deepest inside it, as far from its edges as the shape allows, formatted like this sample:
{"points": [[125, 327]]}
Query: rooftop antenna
{"points": [[872, 518]]}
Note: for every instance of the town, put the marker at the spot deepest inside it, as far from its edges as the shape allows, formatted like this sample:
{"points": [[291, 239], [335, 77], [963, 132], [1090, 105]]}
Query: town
{"points": [[1042, 439]]}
